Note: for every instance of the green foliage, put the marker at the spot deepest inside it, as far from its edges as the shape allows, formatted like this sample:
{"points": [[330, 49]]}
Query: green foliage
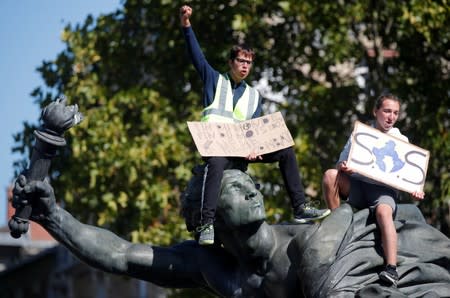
{"points": [[126, 164], [131, 162]]}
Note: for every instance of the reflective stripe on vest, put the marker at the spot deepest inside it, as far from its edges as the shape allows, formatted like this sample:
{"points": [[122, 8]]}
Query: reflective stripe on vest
{"points": [[221, 109]]}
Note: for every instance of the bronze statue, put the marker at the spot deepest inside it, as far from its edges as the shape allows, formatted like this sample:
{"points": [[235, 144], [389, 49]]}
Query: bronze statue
{"points": [[338, 257]]}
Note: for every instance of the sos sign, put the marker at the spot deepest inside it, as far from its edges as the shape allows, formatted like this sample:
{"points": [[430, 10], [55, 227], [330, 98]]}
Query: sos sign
{"points": [[387, 159]]}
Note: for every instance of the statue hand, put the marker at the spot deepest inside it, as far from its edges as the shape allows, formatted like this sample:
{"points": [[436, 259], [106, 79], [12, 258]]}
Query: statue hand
{"points": [[38, 194], [58, 117]]}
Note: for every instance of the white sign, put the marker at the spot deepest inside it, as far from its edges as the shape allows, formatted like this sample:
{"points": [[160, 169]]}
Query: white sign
{"points": [[387, 159], [260, 135]]}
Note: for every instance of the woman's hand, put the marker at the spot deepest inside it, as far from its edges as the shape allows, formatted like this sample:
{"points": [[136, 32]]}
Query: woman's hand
{"points": [[342, 166], [418, 195]]}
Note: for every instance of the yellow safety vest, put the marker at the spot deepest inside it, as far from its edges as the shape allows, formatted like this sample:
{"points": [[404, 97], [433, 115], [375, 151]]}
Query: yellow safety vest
{"points": [[221, 109]]}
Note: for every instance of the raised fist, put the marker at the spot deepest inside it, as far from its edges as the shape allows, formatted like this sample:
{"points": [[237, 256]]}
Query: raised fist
{"points": [[185, 14]]}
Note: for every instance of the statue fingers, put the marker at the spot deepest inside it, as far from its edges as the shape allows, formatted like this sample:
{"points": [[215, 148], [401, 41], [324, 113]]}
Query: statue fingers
{"points": [[19, 197]]}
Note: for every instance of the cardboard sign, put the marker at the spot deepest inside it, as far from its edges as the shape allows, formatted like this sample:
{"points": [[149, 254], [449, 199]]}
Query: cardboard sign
{"points": [[260, 135], [387, 159]]}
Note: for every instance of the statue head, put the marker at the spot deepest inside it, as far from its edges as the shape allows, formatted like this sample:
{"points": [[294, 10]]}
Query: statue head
{"points": [[240, 202]]}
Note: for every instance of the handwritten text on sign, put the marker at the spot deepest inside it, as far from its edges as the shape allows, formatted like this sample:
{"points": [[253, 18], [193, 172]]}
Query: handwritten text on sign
{"points": [[387, 159], [260, 135]]}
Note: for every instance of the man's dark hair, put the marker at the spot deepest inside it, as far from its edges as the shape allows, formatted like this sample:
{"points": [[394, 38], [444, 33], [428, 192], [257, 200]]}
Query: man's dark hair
{"points": [[236, 49]]}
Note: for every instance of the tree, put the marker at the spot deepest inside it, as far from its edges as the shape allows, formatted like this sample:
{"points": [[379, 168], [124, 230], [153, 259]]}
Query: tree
{"points": [[127, 163]]}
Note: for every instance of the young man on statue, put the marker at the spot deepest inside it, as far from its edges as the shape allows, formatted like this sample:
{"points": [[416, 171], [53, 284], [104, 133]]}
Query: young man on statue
{"points": [[228, 98]]}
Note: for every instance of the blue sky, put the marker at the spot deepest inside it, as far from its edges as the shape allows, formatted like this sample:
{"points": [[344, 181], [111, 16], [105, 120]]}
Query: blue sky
{"points": [[30, 33]]}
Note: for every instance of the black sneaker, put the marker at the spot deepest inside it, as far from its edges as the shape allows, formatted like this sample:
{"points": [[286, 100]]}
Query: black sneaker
{"points": [[307, 214], [389, 275], [206, 234]]}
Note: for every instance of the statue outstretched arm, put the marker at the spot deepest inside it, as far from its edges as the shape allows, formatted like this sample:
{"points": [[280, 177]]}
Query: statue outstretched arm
{"points": [[104, 250]]}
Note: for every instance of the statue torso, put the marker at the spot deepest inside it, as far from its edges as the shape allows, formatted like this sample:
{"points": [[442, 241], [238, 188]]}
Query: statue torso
{"points": [[272, 277]]}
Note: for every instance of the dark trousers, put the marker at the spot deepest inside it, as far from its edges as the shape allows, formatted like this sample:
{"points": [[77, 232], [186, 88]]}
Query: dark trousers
{"points": [[216, 165]]}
